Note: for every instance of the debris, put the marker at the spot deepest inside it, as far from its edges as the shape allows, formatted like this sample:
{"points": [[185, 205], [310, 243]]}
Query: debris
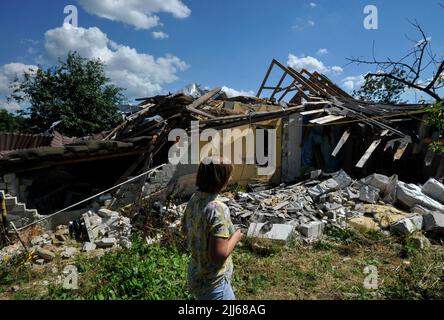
{"points": [[434, 221], [106, 242], [378, 181], [281, 232], [88, 246], [312, 230], [434, 189], [45, 254], [403, 227], [368, 194], [68, 252], [410, 195]]}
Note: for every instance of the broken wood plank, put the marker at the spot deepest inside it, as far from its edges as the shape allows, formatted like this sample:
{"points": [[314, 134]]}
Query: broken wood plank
{"points": [[326, 119], [429, 157], [199, 112], [402, 147], [199, 101], [304, 113], [341, 142], [368, 153]]}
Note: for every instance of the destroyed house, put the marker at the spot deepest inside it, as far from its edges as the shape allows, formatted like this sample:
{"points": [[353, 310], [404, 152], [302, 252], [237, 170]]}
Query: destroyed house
{"points": [[317, 125]]}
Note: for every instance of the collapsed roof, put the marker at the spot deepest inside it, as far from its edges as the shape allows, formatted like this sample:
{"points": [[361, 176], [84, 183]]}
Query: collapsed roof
{"points": [[314, 95]]}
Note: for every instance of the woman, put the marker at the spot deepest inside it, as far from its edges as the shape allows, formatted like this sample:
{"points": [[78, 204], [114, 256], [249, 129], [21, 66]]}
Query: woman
{"points": [[210, 233]]}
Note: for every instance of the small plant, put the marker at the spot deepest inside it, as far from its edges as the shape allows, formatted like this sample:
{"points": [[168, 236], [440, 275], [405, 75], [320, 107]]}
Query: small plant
{"points": [[323, 245], [235, 188], [346, 235]]}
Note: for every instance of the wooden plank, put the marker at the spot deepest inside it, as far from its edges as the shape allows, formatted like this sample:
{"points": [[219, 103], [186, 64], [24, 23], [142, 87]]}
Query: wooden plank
{"points": [[341, 142], [193, 110], [368, 153], [312, 111], [402, 147], [327, 119], [198, 102]]}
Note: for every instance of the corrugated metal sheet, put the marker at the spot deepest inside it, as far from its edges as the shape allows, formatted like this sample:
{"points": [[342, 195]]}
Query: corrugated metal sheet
{"points": [[60, 140], [17, 141]]}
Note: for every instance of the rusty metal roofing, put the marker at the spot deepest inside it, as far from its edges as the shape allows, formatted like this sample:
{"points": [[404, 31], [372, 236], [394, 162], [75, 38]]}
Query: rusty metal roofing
{"points": [[17, 141]]}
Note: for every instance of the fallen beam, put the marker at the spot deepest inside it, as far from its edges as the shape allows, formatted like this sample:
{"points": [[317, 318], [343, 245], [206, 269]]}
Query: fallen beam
{"points": [[341, 142], [368, 153]]}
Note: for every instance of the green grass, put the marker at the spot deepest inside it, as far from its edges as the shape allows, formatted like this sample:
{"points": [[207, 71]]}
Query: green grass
{"points": [[333, 268], [141, 273]]}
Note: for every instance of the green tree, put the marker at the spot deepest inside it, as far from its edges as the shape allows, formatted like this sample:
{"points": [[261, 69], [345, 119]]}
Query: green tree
{"points": [[75, 93], [11, 123], [436, 119], [381, 90]]}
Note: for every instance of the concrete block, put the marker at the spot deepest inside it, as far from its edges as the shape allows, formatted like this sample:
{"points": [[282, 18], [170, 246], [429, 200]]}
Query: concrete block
{"points": [[378, 181], [10, 202], [105, 213], [411, 195], [403, 227], [88, 246], [368, 194], [106, 242], [434, 221], [434, 189], [417, 220], [312, 230], [419, 210], [282, 232]]}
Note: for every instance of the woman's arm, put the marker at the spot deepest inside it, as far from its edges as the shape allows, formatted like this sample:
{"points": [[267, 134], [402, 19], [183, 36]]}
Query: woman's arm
{"points": [[219, 249]]}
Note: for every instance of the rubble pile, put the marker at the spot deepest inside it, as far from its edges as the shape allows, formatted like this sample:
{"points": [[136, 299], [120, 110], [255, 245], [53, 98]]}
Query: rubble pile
{"points": [[104, 229], [303, 210]]}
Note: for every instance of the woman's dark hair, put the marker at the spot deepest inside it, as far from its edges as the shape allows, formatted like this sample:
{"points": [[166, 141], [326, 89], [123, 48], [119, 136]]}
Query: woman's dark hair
{"points": [[213, 174]]}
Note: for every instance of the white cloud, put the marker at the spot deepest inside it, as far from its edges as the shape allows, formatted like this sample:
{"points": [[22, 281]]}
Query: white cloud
{"points": [[313, 5], [322, 52], [159, 35], [353, 82], [337, 69], [140, 73], [309, 63], [8, 73], [138, 13], [234, 93], [311, 23]]}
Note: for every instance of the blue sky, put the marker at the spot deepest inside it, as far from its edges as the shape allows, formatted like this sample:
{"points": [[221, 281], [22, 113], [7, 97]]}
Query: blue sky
{"points": [[214, 43]]}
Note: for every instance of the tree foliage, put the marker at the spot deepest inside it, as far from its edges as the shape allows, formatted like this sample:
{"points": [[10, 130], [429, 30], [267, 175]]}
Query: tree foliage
{"points": [[436, 119], [11, 123], [76, 95], [381, 90]]}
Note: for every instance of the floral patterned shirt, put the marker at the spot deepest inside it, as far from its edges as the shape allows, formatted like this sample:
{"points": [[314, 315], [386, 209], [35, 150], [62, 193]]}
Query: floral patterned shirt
{"points": [[205, 215]]}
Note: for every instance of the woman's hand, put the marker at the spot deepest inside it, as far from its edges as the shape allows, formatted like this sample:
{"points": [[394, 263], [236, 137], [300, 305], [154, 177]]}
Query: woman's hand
{"points": [[238, 235], [220, 248]]}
